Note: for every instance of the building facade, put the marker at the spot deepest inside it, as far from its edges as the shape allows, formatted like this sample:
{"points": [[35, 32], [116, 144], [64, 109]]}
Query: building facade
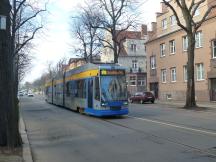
{"points": [[167, 56], [133, 57]]}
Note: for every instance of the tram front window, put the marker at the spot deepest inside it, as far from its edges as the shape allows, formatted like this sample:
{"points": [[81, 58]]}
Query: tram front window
{"points": [[113, 88]]}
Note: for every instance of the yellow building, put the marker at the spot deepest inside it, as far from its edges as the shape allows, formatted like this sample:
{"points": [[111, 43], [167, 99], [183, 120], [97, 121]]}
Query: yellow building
{"points": [[167, 56]]}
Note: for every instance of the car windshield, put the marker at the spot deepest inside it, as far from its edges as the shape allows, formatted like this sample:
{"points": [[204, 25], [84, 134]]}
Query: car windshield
{"points": [[113, 88]]}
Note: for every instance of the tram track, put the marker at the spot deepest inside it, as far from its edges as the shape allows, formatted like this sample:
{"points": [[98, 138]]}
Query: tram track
{"points": [[203, 152], [202, 130]]}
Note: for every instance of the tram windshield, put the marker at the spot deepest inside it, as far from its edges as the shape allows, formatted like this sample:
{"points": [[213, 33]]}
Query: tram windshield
{"points": [[113, 88]]}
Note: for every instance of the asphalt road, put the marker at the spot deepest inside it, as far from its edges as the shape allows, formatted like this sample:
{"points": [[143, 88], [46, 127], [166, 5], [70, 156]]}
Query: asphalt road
{"points": [[150, 133]]}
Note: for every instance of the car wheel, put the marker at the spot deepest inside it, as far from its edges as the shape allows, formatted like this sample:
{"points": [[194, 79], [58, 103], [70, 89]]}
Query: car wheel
{"points": [[152, 101], [141, 101]]}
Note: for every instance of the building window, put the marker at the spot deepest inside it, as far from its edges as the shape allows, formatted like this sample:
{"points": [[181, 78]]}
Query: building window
{"points": [[2, 22], [198, 38], [173, 74], [185, 43], [133, 47], [134, 64], [214, 49], [162, 49], [164, 24], [172, 47], [133, 80], [185, 73], [200, 71], [153, 62], [163, 75], [172, 20], [141, 81]]}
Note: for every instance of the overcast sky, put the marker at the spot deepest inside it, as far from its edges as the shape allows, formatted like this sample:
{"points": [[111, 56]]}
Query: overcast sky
{"points": [[55, 41]]}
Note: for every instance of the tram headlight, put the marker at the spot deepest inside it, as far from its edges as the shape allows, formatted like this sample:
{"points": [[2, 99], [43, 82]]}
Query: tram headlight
{"points": [[104, 104], [125, 103]]}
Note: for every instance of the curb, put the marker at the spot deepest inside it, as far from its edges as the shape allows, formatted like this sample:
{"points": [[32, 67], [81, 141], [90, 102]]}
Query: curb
{"points": [[182, 104], [27, 155]]}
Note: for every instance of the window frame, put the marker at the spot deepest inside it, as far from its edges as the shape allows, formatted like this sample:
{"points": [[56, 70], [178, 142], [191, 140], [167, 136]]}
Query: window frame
{"points": [[153, 62], [164, 24], [141, 81], [173, 74], [185, 43], [173, 21], [200, 74], [133, 47], [172, 45], [162, 50], [132, 80], [198, 41], [213, 48], [163, 75], [135, 65]]}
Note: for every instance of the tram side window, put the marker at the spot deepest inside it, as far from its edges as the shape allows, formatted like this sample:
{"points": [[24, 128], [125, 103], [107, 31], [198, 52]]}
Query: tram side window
{"points": [[97, 89], [68, 89], [73, 89], [47, 90], [81, 89]]}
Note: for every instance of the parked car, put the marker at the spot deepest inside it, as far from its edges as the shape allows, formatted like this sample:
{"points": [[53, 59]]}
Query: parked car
{"points": [[20, 94], [142, 97]]}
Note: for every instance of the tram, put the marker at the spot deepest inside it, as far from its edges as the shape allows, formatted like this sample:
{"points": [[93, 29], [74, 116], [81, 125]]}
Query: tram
{"points": [[94, 89]]}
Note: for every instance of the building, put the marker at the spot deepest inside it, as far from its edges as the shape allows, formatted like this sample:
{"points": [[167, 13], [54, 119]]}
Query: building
{"points": [[132, 56], [167, 56]]}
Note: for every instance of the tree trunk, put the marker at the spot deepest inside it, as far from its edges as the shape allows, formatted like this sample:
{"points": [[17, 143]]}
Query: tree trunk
{"points": [[190, 94], [9, 113]]}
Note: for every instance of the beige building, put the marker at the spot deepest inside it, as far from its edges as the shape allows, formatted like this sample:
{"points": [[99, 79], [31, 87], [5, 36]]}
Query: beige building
{"points": [[167, 56]]}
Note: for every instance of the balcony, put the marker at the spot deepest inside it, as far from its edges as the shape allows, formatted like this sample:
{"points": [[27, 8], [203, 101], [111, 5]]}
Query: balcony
{"points": [[137, 70]]}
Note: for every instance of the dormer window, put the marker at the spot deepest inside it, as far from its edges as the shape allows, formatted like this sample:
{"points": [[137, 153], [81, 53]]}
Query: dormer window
{"points": [[164, 24], [172, 20]]}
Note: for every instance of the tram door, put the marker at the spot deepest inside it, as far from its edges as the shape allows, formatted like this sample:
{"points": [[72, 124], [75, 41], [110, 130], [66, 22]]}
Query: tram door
{"points": [[90, 93]]}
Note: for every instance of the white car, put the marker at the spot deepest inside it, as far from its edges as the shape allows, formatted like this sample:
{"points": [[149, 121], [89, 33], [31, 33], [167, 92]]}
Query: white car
{"points": [[30, 95]]}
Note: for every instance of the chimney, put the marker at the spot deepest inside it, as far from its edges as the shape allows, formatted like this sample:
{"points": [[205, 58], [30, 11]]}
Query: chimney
{"points": [[164, 7], [154, 26], [143, 30]]}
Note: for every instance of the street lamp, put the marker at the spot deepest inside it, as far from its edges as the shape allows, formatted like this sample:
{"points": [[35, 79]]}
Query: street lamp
{"points": [[2, 22]]}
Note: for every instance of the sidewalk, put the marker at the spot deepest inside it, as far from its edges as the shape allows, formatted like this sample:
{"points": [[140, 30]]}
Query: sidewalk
{"points": [[182, 103]]}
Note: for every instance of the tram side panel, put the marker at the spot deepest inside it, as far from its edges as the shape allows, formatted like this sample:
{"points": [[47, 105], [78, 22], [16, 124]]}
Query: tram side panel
{"points": [[75, 94]]}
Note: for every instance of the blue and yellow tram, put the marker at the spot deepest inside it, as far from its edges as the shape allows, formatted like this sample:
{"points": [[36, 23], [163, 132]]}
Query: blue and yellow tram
{"points": [[95, 89]]}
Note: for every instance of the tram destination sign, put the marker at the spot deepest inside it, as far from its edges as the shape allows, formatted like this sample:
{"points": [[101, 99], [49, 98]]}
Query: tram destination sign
{"points": [[112, 72]]}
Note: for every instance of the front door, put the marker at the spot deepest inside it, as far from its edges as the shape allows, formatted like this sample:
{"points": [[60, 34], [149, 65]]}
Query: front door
{"points": [[90, 93], [154, 88], [213, 90]]}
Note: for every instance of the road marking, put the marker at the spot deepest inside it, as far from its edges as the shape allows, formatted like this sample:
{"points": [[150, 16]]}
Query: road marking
{"points": [[175, 126]]}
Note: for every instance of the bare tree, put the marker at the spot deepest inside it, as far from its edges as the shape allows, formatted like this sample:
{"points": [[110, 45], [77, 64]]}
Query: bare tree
{"points": [[117, 18], [26, 22], [86, 34], [191, 27], [9, 116], [55, 70]]}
